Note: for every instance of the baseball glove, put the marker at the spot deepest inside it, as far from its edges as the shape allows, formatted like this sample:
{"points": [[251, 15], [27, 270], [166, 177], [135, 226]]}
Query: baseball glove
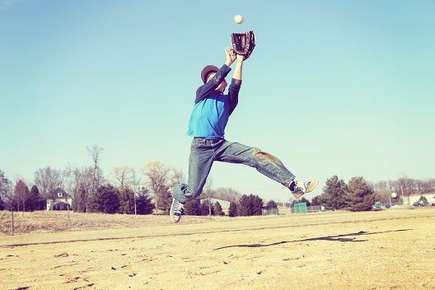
{"points": [[243, 43]]}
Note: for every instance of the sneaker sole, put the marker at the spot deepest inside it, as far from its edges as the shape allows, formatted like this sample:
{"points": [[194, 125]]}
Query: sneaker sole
{"points": [[174, 218]]}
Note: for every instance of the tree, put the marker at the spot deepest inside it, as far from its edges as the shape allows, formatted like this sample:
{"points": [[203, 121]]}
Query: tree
{"points": [[80, 184], [128, 184], [22, 195], [126, 200], [47, 180], [5, 186], [317, 200], [123, 176], [218, 209], [192, 207], [334, 193], [233, 210], [107, 199], [271, 205], [159, 180], [250, 205], [207, 207], [36, 202], [224, 193], [144, 203], [96, 171], [361, 194]]}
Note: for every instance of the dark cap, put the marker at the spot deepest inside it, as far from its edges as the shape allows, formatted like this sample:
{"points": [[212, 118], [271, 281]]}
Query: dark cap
{"points": [[208, 70]]}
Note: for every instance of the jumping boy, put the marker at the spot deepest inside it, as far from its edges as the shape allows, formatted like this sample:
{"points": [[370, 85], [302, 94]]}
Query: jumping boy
{"points": [[208, 119]]}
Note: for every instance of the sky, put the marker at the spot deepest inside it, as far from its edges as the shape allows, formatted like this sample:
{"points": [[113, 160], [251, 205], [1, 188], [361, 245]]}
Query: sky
{"points": [[341, 88]]}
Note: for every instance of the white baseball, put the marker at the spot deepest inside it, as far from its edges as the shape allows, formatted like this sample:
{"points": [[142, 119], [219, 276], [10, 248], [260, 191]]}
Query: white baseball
{"points": [[238, 19]]}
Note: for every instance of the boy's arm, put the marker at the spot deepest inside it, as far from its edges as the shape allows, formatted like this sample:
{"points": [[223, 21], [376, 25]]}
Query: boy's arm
{"points": [[214, 82], [233, 90]]}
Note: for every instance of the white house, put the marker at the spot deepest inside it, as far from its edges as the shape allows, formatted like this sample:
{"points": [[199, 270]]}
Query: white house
{"points": [[59, 200]]}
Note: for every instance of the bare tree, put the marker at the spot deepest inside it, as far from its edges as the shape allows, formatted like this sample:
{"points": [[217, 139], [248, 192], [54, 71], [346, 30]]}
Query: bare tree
{"points": [[47, 180], [207, 192], [124, 176], [95, 153], [79, 183], [159, 179], [225, 193], [129, 186]]}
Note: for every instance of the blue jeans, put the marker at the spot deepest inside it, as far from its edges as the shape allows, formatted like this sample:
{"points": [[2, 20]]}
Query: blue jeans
{"points": [[204, 152]]}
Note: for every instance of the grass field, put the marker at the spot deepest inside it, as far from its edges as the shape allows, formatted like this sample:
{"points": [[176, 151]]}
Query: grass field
{"points": [[393, 249]]}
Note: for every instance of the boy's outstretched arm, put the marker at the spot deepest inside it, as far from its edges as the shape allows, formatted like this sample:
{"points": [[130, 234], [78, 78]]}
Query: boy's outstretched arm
{"points": [[214, 82], [233, 90]]}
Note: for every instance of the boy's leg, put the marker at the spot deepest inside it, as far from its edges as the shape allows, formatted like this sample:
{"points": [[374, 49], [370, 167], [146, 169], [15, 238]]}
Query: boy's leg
{"points": [[200, 163], [264, 162]]}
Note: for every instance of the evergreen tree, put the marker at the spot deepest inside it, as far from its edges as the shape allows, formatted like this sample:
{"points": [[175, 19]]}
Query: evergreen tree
{"points": [[192, 207], [107, 199], [334, 194], [361, 194], [218, 209], [233, 210], [271, 205], [36, 202], [250, 205], [144, 204]]}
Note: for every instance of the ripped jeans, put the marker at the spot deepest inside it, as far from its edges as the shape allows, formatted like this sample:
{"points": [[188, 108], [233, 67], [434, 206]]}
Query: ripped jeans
{"points": [[205, 151]]}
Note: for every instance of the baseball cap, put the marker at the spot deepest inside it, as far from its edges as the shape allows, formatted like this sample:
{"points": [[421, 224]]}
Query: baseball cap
{"points": [[208, 70]]}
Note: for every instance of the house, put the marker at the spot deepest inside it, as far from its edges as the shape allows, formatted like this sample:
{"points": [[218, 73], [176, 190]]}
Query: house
{"points": [[59, 200], [413, 198]]}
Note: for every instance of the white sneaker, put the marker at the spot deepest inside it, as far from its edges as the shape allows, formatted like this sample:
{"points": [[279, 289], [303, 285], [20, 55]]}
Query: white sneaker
{"points": [[176, 210], [300, 188]]}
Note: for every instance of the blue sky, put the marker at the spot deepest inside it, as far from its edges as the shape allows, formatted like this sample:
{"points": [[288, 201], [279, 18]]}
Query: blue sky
{"points": [[333, 87]]}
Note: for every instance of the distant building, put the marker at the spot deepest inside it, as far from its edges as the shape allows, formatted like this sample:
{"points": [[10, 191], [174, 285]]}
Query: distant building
{"points": [[60, 200], [413, 198]]}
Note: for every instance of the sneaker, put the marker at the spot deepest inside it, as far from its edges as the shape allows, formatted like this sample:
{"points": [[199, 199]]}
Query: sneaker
{"points": [[176, 210], [298, 188]]}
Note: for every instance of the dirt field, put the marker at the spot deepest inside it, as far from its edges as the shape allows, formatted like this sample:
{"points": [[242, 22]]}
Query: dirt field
{"points": [[392, 249]]}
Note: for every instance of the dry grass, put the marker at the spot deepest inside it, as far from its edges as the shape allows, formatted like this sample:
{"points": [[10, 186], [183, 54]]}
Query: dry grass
{"points": [[54, 221]]}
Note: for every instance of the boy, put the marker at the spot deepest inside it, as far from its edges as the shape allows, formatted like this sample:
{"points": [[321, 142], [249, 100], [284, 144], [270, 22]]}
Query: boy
{"points": [[207, 123]]}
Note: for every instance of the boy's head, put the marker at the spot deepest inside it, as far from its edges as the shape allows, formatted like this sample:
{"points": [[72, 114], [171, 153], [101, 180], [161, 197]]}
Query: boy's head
{"points": [[208, 73]]}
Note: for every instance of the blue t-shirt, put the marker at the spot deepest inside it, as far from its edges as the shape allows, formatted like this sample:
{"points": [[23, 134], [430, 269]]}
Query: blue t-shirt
{"points": [[212, 108]]}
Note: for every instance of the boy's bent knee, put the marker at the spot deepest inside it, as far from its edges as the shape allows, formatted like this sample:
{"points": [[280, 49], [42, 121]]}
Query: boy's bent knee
{"points": [[264, 156]]}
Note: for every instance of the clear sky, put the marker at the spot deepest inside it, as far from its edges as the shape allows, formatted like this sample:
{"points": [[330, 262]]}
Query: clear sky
{"points": [[333, 87]]}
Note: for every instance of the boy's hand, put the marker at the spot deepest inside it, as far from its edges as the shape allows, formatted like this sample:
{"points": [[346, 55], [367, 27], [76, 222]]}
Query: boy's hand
{"points": [[240, 58], [230, 56]]}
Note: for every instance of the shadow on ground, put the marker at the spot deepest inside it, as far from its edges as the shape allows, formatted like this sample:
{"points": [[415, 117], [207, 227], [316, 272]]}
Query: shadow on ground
{"points": [[351, 237]]}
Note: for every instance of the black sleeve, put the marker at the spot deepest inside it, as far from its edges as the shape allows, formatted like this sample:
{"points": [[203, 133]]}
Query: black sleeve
{"points": [[233, 93], [212, 84]]}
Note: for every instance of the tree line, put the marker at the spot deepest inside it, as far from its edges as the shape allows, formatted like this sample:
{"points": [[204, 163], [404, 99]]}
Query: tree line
{"points": [[128, 190], [136, 191], [360, 195]]}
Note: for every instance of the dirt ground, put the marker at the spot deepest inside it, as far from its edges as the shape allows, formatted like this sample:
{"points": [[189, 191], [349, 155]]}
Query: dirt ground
{"points": [[392, 249]]}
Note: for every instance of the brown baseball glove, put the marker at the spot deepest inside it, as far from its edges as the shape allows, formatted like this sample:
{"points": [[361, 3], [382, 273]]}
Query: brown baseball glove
{"points": [[243, 43]]}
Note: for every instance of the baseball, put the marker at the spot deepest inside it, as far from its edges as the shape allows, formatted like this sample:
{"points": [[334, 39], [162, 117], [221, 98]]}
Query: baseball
{"points": [[238, 19]]}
